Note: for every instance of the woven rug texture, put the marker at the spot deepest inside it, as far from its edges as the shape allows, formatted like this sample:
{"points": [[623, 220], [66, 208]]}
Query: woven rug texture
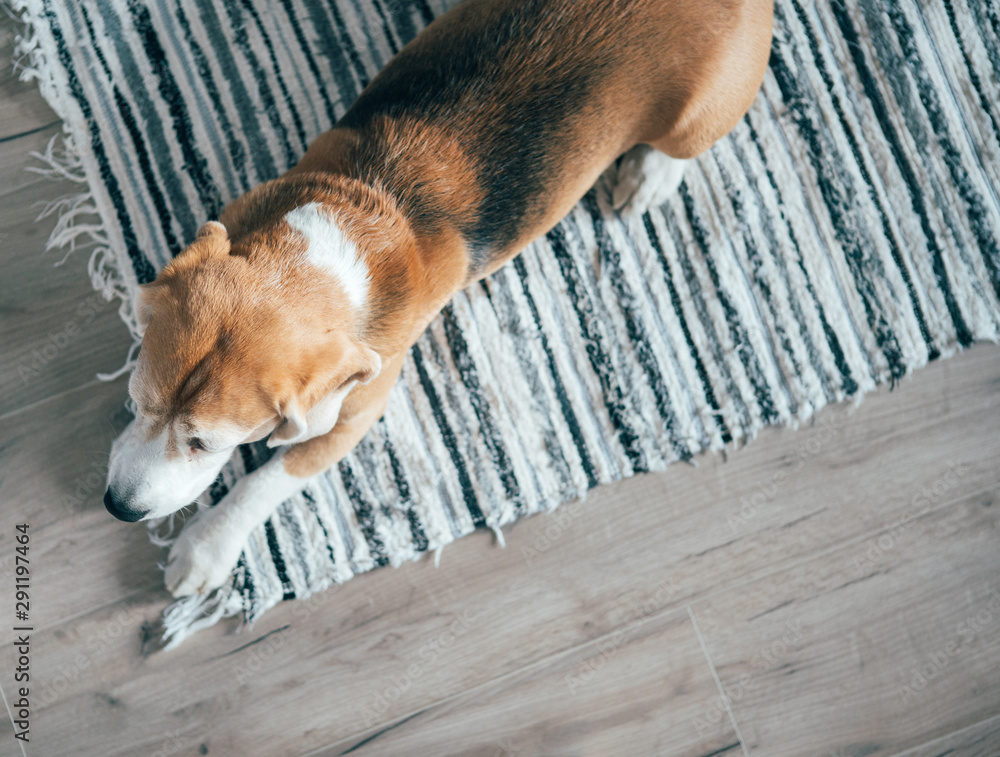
{"points": [[844, 234]]}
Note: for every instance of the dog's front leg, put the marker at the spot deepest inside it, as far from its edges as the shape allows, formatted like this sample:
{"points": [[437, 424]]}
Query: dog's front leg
{"points": [[203, 557]]}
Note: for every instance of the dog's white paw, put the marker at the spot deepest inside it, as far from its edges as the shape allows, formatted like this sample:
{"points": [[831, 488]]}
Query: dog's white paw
{"points": [[645, 179], [203, 557]]}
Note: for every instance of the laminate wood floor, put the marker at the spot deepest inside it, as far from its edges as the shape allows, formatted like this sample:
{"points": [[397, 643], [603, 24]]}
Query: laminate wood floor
{"points": [[830, 591]]}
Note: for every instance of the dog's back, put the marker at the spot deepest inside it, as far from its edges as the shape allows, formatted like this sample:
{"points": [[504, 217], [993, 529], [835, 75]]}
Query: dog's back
{"points": [[512, 89]]}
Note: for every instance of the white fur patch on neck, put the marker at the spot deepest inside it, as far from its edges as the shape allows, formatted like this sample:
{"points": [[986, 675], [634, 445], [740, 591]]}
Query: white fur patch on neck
{"points": [[330, 250]]}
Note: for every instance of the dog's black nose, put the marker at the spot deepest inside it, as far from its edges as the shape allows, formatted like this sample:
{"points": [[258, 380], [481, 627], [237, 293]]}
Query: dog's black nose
{"points": [[126, 514]]}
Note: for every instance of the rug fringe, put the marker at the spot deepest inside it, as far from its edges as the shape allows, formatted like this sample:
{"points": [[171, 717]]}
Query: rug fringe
{"points": [[191, 614], [79, 221], [165, 538], [498, 534]]}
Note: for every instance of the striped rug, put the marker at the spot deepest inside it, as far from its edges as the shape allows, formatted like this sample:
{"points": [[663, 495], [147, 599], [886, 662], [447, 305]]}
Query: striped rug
{"points": [[844, 234]]}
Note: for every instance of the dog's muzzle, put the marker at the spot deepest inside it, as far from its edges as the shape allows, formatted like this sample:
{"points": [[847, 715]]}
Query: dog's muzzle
{"points": [[121, 510]]}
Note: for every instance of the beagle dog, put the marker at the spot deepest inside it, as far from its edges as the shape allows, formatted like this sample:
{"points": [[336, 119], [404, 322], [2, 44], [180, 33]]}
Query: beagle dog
{"points": [[289, 317]]}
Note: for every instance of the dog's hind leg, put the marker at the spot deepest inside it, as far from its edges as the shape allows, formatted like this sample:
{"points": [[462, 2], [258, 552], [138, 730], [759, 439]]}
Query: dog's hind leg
{"points": [[645, 178]]}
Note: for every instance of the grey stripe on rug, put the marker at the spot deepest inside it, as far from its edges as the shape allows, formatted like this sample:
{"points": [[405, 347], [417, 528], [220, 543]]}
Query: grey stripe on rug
{"points": [[844, 234]]}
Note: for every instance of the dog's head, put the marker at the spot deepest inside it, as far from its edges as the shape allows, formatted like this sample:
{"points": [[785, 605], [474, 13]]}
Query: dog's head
{"points": [[235, 348]]}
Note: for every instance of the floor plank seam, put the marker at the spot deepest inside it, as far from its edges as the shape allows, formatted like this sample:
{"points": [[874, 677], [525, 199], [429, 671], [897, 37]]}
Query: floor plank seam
{"points": [[29, 132], [11, 716], [718, 680], [953, 734], [22, 189], [37, 403], [132, 597]]}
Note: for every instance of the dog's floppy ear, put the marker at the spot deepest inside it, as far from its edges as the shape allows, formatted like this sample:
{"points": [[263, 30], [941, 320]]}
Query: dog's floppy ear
{"points": [[211, 241], [314, 410], [292, 427]]}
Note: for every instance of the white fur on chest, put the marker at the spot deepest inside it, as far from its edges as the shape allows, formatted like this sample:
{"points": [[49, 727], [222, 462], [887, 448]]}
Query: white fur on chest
{"points": [[329, 250]]}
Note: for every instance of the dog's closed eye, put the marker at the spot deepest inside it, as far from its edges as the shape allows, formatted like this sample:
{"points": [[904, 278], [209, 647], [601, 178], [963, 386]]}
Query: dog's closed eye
{"points": [[196, 445]]}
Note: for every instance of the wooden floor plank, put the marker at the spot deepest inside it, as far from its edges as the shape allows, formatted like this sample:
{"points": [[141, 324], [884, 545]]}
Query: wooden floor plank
{"points": [[57, 332], [633, 692], [869, 649], [15, 159], [559, 584], [979, 740], [53, 469]]}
